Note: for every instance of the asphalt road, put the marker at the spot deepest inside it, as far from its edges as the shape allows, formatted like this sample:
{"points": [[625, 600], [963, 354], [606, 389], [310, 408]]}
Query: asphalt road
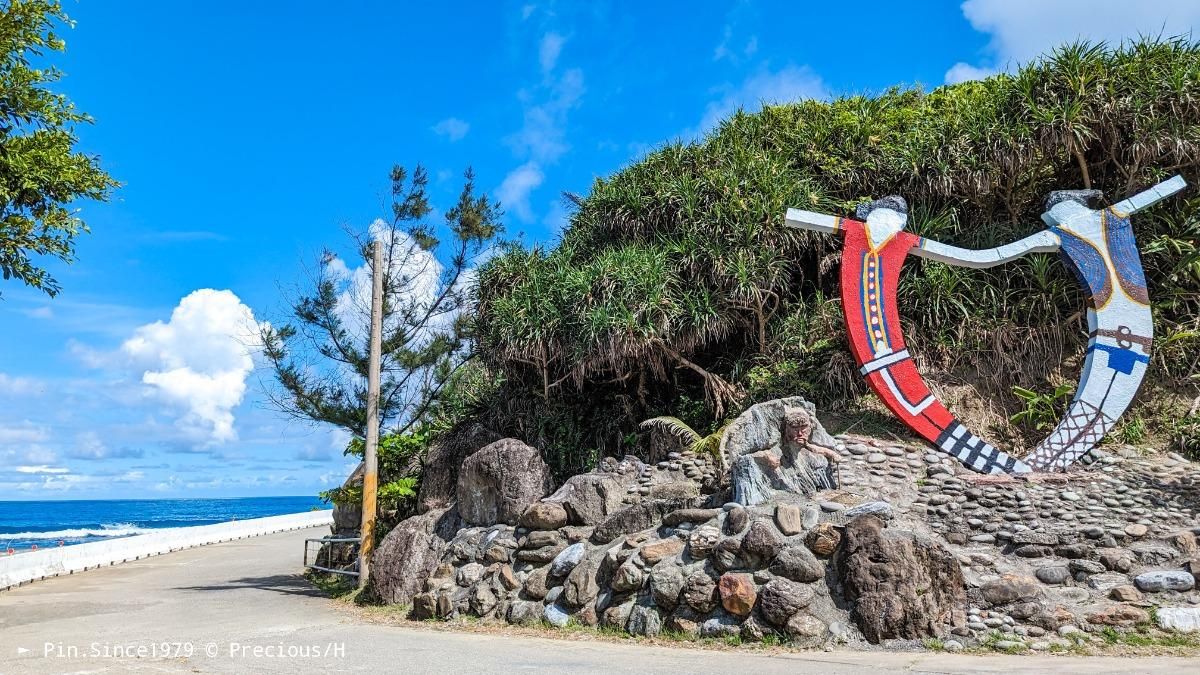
{"points": [[242, 607]]}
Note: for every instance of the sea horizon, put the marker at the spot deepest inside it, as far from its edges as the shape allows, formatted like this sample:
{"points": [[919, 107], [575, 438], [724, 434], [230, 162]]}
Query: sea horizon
{"points": [[26, 524]]}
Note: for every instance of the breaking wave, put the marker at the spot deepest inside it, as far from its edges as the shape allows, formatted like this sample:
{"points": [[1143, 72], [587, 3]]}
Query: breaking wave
{"points": [[108, 530]]}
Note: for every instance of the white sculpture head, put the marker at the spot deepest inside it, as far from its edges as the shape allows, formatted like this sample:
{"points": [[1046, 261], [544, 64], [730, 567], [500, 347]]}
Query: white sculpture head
{"points": [[884, 217], [1065, 206]]}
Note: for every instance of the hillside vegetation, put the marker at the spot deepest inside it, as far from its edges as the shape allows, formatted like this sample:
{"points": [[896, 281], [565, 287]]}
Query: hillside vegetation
{"points": [[677, 290]]}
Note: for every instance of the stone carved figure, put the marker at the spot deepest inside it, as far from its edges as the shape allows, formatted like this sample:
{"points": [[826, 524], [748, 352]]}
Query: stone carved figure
{"points": [[1099, 247], [779, 445]]}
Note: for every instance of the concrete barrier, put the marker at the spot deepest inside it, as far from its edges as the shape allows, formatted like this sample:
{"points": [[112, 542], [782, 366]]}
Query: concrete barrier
{"points": [[51, 562]]}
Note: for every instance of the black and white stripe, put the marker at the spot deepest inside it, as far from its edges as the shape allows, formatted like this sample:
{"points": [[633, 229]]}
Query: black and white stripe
{"points": [[976, 453]]}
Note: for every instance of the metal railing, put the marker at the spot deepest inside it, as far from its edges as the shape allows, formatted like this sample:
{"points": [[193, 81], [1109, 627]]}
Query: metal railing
{"points": [[335, 551]]}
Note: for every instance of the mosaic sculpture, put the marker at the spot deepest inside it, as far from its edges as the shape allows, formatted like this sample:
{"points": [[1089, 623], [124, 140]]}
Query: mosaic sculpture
{"points": [[1097, 245]]}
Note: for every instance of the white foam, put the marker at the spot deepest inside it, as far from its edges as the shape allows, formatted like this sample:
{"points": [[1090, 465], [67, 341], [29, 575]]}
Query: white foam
{"points": [[107, 530]]}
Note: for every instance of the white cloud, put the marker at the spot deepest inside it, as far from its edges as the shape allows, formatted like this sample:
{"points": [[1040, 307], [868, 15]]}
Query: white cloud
{"points": [[514, 192], [25, 432], [548, 51], [43, 312], [452, 128], [1021, 30], [89, 446], [42, 469], [788, 84], [198, 361]]}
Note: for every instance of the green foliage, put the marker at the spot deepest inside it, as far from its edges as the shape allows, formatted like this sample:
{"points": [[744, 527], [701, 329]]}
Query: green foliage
{"points": [[320, 360], [41, 173], [1042, 411], [677, 278], [701, 445]]}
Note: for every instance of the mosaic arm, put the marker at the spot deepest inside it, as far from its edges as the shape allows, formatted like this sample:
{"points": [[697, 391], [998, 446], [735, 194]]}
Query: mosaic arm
{"points": [[1041, 242]]}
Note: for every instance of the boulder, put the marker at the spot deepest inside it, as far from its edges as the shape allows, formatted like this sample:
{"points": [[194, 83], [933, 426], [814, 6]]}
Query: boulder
{"points": [[535, 584], [760, 544], [409, 553], [1181, 619], [789, 518], [543, 516], [582, 585], [902, 585], [666, 583], [738, 593], [690, 516], [762, 460], [806, 630], [498, 482], [700, 592], [702, 541], [644, 620], [780, 599], [567, 559], [797, 563], [823, 539], [1010, 588], [589, 498], [1119, 615], [441, 464], [524, 612], [664, 548], [641, 516]]}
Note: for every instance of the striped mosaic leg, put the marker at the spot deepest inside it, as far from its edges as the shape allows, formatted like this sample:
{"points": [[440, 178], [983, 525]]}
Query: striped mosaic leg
{"points": [[976, 453]]}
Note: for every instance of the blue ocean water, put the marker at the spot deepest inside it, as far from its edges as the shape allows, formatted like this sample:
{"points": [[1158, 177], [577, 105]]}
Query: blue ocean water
{"points": [[26, 524]]}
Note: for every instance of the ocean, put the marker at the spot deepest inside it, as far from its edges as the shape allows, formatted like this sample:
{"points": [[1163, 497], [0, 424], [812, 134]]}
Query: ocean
{"points": [[24, 525]]}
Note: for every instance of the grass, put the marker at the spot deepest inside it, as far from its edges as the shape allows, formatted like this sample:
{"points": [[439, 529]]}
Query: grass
{"points": [[934, 644]]}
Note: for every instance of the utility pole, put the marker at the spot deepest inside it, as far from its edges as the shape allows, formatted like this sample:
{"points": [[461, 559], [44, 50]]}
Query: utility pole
{"points": [[370, 459]]}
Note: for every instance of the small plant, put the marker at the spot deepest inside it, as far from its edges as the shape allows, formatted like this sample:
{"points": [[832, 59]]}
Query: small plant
{"points": [[733, 640], [935, 645], [1041, 410], [701, 445], [1133, 430]]}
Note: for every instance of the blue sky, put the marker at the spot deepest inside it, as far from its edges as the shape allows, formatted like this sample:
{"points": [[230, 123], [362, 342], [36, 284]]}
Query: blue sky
{"points": [[247, 135]]}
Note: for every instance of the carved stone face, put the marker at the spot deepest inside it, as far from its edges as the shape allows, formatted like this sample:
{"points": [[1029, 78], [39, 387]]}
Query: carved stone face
{"points": [[797, 427]]}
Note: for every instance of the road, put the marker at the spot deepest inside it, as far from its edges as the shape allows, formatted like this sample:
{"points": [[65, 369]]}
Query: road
{"points": [[242, 607]]}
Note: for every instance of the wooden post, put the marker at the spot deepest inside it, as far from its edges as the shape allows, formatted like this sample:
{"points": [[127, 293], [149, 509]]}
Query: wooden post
{"points": [[370, 458]]}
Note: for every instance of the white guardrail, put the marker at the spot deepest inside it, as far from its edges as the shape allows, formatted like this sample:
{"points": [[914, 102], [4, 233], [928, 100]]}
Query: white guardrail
{"points": [[51, 562]]}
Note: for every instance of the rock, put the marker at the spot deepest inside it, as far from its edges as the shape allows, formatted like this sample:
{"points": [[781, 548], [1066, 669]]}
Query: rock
{"points": [[902, 585], [1053, 575], [553, 595], [1125, 594], [702, 541], [1181, 619], [1154, 554], [424, 606], [760, 544], [1136, 530], [797, 563], [543, 516], [684, 620], [738, 593], [1074, 551], [806, 630], [589, 498], [535, 583], [666, 583], [700, 592], [1107, 581], [1166, 580], [567, 559], [763, 460], [582, 585], [524, 612], [780, 599], [469, 574], [663, 548], [628, 577], [617, 616], [789, 518], [881, 509], [409, 553], [644, 620], [641, 516], [1086, 567], [1010, 588], [675, 490], [1116, 559], [754, 630], [482, 600], [1119, 615], [823, 539], [496, 483], [727, 555], [1037, 538], [556, 616], [504, 574], [722, 625], [690, 516], [347, 518], [736, 520], [811, 516]]}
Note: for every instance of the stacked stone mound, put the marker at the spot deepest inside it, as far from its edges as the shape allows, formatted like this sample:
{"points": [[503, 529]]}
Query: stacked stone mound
{"points": [[909, 546], [1049, 561]]}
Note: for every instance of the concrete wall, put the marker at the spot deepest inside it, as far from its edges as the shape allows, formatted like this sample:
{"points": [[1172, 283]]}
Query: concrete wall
{"points": [[50, 562]]}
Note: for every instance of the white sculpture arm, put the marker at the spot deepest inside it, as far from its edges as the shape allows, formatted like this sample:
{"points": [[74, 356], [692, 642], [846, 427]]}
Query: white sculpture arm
{"points": [[1042, 242], [1155, 194], [807, 220]]}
